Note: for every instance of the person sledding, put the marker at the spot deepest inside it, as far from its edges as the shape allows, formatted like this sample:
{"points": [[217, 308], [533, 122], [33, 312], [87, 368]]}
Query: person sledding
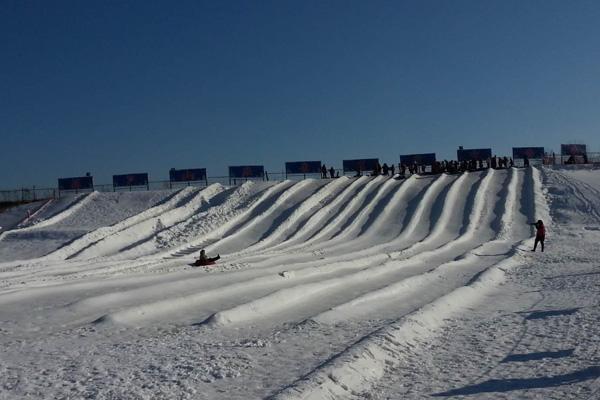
{"points": [[540, 234], [204, 260]]}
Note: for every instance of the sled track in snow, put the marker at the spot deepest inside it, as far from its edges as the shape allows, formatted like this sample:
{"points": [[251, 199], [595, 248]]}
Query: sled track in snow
{"points": [[319, 251]]}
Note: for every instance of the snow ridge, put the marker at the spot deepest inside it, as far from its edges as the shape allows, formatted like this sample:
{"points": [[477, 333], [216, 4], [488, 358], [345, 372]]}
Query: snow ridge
{"points": [[80, 202], [358, 368]]}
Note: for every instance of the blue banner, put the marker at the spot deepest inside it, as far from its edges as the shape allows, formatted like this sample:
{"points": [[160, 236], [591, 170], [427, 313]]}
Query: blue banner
{"points": [[130, 180], [187, 175], [247, 171], [77, 183], [573, 149], [362, 165], [473, 154], [303, 167], [533, 153], [419, 159]]}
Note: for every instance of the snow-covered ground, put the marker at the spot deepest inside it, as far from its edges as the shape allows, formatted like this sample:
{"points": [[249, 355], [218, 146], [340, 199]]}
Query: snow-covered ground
{"points": [[326, 289]]}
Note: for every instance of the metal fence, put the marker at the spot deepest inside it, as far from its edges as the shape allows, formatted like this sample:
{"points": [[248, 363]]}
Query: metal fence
{"points": [[24, 195], [33, 194]]}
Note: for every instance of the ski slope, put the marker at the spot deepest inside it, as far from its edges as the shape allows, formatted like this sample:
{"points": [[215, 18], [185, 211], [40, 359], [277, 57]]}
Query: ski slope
{"points": [[324, 288]]}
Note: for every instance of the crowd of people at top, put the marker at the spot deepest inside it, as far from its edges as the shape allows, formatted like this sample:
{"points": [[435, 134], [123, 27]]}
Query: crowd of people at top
{"points": [[450, 167]]}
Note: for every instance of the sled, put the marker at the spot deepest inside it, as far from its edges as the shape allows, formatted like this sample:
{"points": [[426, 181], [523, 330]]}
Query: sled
{"points": [[203, 264]]}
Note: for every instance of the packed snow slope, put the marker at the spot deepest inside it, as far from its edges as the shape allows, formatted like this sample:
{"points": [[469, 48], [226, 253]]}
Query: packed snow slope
{"points": [[364, 287], [59, 221]]}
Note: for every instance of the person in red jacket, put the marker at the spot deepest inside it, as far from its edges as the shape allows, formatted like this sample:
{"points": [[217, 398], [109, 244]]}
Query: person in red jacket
{"points": [[540, 234]]}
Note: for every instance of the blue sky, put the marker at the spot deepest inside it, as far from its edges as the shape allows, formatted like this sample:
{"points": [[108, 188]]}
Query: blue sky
{"points": [[115, 87]]}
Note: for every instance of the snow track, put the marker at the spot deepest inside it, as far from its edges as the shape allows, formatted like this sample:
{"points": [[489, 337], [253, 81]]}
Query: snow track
{"points": [[404, 255], [78, 245], [361, 365]]}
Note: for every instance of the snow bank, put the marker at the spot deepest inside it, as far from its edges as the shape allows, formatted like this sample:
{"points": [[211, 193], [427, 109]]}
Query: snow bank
{"points": [[73, 207], [359, 367]]}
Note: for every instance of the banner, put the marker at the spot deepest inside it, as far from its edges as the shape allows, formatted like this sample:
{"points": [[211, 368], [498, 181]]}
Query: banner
{"points": [[187, 175], [247, 171], [533, 153], [303, 167], [419, 159], [473, 154], [573, 150], [77, 183], [130, 180], [363, 164]]}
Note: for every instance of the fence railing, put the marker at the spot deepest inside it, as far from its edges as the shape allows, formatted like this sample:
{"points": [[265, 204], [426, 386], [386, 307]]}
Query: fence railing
{"points": [[34, 194], [24, 195]]}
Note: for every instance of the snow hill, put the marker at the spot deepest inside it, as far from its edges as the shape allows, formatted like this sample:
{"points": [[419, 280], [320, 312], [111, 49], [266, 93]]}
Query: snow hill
{"points": [[325, 288]]}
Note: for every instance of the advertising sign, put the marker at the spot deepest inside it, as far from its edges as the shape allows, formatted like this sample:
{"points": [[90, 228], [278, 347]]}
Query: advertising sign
{"points": [[247, 171], [130, 180], [473, 154], [419, 159], [77, 183], [187, 175], [533, 153], [573, 149]]}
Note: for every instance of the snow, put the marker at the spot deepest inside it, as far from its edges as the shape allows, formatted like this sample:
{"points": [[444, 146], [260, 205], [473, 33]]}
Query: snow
{"points": [[327, 289], [60, 221], [19, 215], [588, 176]]}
